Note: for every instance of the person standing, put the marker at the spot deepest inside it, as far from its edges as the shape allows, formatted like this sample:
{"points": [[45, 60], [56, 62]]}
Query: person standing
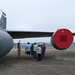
{"points": [[27, 49], [19, 50], [43, 51], [39, 53], [34, 51]]}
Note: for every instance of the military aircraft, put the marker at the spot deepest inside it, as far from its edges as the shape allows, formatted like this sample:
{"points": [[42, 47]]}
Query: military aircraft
{"points": [[61, 39]]}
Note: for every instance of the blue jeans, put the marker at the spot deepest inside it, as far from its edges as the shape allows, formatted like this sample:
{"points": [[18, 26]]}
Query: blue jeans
{"points": [[34, 55], [43, 55]]}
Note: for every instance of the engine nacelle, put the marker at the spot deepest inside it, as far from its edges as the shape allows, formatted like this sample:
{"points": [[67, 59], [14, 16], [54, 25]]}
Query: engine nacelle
{"points": [[6, 43], [62, 39]]}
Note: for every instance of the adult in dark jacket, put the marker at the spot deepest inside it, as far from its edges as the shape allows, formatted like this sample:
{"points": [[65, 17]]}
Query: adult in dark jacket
{"points": [[43, 51]]}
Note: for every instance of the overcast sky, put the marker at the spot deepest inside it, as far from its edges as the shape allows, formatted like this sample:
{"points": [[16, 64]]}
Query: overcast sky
{"points": [[39, 15]]}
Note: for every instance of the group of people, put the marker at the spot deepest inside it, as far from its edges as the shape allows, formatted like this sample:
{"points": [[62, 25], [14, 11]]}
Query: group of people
{"points": [[37, 51]]}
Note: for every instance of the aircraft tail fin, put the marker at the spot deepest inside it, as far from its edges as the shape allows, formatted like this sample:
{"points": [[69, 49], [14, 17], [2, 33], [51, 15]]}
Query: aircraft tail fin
{"points": [[3, 21]]}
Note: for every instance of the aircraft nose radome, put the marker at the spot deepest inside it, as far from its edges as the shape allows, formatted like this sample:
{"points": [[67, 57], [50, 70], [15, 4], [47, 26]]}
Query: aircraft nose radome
{"points": [[6, 43]]}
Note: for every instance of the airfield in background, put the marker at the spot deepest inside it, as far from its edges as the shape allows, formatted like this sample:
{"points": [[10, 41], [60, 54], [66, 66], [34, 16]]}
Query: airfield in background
{"points": [[48, 45]]}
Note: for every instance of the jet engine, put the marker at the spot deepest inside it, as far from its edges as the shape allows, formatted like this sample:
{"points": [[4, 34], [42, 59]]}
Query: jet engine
{"points": [[6, 43], [62, 39]]}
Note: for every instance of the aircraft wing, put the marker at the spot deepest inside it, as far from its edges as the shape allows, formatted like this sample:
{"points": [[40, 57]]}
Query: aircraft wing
{"points": [[29, 34], [73, 34]]}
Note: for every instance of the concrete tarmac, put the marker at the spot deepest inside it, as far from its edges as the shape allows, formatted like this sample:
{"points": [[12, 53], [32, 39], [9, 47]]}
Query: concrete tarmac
{"points": [[56, 63]]}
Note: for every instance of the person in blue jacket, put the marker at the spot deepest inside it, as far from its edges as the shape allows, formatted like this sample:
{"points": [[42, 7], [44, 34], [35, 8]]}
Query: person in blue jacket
{"points": [[28, 49]]}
